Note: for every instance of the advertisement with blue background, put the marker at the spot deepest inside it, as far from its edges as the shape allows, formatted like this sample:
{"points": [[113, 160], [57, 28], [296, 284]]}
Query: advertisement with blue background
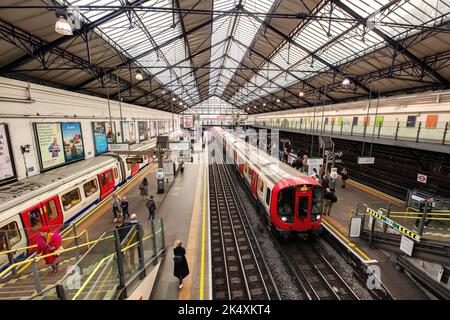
{"points": [[100, 140], [73, 141]]}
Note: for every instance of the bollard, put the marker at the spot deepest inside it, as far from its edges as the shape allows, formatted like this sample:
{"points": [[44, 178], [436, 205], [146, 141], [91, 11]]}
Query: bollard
{"points": [[37, 281], [445, 132], [418, 131], [396, 130]]}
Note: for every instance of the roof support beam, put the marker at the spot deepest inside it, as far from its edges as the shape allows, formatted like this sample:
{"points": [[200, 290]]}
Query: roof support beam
{"points": [[397, 45]]}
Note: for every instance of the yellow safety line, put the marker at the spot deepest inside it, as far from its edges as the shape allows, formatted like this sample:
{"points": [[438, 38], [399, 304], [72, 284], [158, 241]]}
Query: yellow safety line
{"points": [[349, 243], [202, 267]]}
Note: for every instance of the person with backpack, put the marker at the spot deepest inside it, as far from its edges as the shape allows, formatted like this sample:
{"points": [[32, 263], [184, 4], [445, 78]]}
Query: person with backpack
{"points": [[180, 265], [151, 206]]}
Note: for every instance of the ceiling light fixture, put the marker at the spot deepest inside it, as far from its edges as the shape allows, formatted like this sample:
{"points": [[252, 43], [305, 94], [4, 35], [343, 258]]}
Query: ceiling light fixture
{"points": [[61, 25], [181, 103], [174, 99], [346, 81], [278, 100], [264, 104], [301, 93], [164, 92], [139, 76]]}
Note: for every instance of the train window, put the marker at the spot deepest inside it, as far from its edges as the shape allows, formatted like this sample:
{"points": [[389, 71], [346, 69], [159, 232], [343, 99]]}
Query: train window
{"points": [[260, 185], [34, 216], [129, 166], [71, 199], [107, 178], [286, 204], [268, 196], [116, 173], [317, 203], [303, 207], [51, 209], [10, 231], [90, 188]]}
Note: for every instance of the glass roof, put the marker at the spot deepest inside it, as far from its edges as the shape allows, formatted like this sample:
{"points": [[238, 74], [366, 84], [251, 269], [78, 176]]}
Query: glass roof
{"points": [[214, 105], [319, 45]]}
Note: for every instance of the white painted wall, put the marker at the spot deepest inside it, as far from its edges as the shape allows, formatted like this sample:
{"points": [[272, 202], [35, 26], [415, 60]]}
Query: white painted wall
{"points": [[54, 105]]}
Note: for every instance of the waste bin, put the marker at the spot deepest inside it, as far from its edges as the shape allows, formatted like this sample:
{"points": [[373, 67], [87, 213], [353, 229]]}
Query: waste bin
{"points": [[160, 180]]}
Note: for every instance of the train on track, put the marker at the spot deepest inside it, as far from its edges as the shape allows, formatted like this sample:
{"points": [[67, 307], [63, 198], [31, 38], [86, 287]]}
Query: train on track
{"points": [[58, 197], [291, 201]]}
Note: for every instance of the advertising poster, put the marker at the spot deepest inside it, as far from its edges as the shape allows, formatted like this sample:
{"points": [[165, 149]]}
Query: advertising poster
{"points": [[50, 144], [143, 130], [355, 121], [132, 132], [411, 121], [431, 121], [379, 121], [73, 141], [6, 161], [126, 131], [100, 139], [110, 132], [152, 129]]}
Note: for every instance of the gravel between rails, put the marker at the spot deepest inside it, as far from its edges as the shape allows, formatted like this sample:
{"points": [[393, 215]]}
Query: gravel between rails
{"points": [[282, 275]]}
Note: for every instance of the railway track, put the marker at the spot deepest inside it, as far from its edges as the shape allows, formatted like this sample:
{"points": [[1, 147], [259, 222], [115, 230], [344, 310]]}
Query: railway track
{"points": [[239, 268], [315, 275]]}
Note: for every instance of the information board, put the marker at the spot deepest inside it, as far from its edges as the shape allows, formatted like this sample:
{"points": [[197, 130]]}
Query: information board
{"points": [[50, 142]]}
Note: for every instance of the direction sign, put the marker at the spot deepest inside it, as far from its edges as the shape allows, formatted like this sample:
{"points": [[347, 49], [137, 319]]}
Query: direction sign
{"points": [[394, 225], [135, 160], [118, 146], [366, 160]]}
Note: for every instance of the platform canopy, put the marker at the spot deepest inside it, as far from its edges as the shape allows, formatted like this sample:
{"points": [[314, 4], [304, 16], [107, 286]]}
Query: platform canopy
{"points": [[258, 55]]}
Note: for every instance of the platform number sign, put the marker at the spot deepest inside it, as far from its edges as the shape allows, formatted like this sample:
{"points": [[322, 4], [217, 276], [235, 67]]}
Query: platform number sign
{"points": [[422, 178]]}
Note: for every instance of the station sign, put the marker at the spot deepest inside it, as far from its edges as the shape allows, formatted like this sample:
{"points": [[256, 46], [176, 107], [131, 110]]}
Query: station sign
{"points": [[315, 161], [179, 146], [134, 160], [407, 245], [394, 225], [422, 178], [366, 160], [119, 147]]}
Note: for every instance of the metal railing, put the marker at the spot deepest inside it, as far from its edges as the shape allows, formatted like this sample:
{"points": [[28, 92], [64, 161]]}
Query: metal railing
{"points": [[396, 130], [111, 265]]}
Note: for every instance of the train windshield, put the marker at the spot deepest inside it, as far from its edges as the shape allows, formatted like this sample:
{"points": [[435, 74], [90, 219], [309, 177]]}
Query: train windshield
{"points": [[317, 203], [286, 204], [303, 207]]}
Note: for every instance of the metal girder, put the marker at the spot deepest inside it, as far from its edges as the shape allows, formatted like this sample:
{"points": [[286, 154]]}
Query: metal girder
{"points": [[396, 44], [287, 71], [176, 64], [85, 28], [147, 52], [310, 53]]}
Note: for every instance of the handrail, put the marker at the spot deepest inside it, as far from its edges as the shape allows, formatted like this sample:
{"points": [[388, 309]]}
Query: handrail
{"points": [[35, 245], [97, 268], [40, 257]]}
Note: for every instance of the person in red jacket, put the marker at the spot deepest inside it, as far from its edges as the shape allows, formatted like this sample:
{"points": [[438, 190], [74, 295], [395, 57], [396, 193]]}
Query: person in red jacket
{"points": [[48, 242]]}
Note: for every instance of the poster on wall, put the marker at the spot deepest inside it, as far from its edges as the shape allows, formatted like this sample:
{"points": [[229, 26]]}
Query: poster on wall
{"points": [[431, 121], [355, 121], [379, 121], [152, 129], [111, 132], [143, 130], [132, 132], [6, 160], [100, 139], [126, 131], [73, 141], [50, 144], [411, 121]]}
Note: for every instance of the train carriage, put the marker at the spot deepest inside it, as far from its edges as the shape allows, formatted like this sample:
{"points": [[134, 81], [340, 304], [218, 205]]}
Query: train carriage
{"points": [[291, 201]]}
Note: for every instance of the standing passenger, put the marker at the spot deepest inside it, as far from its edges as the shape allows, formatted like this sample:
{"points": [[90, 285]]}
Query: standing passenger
{"points": [[344, 177], [329, 197], [151, 206], [305, 163], [124, 206], [143, 188], [48, 242], [115, 205], [427, 206], [181, 268]]}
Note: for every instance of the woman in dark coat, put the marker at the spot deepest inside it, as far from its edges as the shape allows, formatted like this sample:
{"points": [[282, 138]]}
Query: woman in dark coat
{"points": [[181, 268], [143, 188]]}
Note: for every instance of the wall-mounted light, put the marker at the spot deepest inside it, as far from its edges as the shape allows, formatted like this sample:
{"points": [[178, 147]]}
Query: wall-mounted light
{"points": [[139, 76], [61, 25]]}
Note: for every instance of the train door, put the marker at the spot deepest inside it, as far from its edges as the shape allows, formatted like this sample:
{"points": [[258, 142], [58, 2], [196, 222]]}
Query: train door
{"points": [[106, 179], [134, 169], [32, 222], [254, 176], [52, 213], [303, 206]]}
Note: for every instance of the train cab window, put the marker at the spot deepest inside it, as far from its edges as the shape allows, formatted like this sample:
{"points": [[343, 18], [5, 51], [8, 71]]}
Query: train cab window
{"points": [[116, 173], [10, 232], [317, 201], [71, 199], [286, 204], [51, 210], [90, 188], [34, 216], [303, 207], [268, 196]]}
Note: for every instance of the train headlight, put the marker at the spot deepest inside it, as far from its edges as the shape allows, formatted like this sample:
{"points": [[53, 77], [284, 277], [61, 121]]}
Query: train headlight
{"points": [[284, 219]]}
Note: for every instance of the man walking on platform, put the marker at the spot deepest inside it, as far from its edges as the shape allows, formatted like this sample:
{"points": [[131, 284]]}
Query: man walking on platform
{"points": [[424, 206], [151, 206], [115, 205]]}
